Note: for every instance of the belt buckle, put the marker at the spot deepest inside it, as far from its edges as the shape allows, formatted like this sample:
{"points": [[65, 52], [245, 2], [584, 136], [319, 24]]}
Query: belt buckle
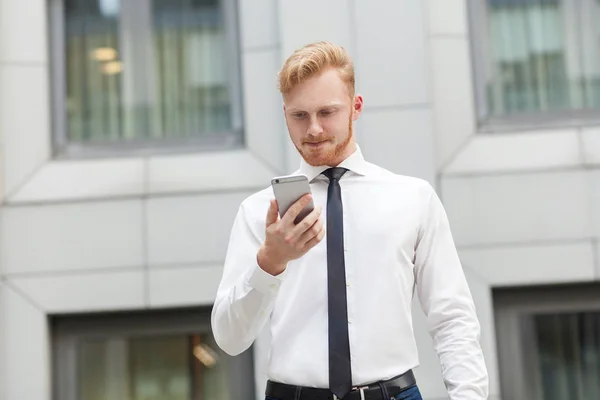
{"points": [[361, 389]]}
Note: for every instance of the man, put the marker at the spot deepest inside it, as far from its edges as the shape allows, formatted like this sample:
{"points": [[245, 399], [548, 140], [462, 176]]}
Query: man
{"points": [[339, 309]]}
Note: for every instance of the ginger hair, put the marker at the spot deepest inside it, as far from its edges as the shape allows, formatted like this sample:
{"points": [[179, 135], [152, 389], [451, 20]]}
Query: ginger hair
{"points": [[313, 59]]}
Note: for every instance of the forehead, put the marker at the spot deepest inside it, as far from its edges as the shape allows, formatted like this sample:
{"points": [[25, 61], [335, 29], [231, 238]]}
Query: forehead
{"points": [[325, 88]]}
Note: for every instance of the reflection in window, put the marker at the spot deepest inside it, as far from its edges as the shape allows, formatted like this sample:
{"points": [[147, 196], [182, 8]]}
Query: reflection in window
{"points": [[148, 69], [541, 55], [152, 368], [568, 356]]}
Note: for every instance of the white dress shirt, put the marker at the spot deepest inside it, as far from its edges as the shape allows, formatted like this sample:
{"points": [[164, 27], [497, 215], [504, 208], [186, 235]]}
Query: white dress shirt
{"points": [[397, 242]]}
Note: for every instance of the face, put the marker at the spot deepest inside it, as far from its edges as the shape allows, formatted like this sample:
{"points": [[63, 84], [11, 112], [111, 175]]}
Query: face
{"points": [[319, 114]]}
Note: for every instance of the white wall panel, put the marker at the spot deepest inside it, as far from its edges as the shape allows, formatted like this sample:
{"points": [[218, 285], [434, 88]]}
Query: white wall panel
{"points": [[454, 113], [459, 201], [85, 292], [447, 17], [519, 207], [293, 157], [23, 31], [2, 179], [258, 20], [191, 229], [211, 171], [532, 264], [75, 236], [593, 182], [515, 151], [597, 260], [263, 107], [182, 286], [400, 140], [24, 121], [303, 22], [590, 142], [79, 180], [391, 60], [24, 349]]}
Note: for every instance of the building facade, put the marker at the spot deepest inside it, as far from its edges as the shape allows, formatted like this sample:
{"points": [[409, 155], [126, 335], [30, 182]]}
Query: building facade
{"points": [[131, 130]]}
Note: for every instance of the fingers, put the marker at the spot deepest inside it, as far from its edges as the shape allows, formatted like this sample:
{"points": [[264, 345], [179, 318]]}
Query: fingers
{"points": [[306, 223], [291, 214], [310, 232], [272, 213], [316, 239]]}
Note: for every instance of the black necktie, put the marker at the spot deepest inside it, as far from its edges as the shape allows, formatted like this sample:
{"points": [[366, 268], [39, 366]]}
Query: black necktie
{"points": [[340, 372]]}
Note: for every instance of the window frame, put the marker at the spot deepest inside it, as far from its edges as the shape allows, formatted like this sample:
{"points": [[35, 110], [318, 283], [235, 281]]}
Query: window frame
{"points": [[62, 148], [512, 307], [538, 120], [67, 330]]}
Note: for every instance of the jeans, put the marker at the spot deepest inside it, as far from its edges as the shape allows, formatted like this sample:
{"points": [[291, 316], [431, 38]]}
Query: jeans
{"points": [[409, 394]]}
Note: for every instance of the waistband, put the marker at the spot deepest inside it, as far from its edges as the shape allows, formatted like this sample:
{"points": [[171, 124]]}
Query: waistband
{"points": [[372, 391]]}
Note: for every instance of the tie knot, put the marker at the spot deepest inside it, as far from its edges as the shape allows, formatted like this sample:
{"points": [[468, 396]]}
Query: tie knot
{"points": [[334, 174]]}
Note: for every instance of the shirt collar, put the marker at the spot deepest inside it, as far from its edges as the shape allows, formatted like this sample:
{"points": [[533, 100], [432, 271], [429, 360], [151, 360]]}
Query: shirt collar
{"points": [[355, 163]]}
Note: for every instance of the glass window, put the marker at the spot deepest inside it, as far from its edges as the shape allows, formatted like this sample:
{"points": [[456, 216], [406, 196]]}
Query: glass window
{"points": [[161, 355], [568, 353], [549, 342], [139, 71], [174, 367], [537, 56]]}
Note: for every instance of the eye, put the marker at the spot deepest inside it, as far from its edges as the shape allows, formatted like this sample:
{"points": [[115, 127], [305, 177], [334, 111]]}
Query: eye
{"points": [[326, 113], [299, 115]]}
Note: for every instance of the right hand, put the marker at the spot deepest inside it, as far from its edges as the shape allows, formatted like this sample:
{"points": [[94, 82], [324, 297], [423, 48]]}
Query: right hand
{"points": [[286, 241]]}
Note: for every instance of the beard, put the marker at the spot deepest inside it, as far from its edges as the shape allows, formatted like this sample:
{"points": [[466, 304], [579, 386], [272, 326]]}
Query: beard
{"points": [[331, 157]]}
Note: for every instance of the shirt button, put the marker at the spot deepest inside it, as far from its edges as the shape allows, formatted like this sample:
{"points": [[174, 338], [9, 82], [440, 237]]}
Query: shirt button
{"points": [[347, 284], [272, 286]]}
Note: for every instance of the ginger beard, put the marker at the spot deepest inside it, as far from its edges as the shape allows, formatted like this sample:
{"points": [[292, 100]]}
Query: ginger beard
{"points": [[331, 157]]}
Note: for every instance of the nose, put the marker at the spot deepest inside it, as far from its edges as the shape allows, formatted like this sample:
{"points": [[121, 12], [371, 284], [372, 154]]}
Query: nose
{"points": [[315, 128]]}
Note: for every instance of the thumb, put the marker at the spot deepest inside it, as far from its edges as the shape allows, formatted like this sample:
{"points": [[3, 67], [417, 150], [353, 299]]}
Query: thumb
{"points": [[273, 213]]}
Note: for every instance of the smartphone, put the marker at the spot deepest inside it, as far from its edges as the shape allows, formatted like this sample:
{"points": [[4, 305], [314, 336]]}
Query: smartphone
{"points": [[288, 190]]}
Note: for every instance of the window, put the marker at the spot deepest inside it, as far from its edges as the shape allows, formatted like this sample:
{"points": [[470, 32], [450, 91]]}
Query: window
{"points": [[536, 59], [549, 342], [161, 355], [140, 73]]}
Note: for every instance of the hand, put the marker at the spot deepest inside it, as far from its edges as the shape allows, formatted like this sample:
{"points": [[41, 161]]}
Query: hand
{"points": [[286, 241]]}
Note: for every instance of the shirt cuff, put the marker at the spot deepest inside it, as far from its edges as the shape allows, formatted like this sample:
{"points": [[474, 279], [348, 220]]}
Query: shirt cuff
{"points": [[265, 282]]}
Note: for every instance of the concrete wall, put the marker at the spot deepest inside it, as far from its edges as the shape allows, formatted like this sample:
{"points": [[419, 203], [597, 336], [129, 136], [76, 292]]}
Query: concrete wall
{"points": [[151, 232]]}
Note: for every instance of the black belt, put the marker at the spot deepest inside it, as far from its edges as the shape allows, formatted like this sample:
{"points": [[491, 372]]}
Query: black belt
{"points": [[282, 391]]}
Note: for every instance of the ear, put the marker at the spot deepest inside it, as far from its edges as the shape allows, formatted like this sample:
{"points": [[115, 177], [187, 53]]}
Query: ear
{"points": [[357, 107]]}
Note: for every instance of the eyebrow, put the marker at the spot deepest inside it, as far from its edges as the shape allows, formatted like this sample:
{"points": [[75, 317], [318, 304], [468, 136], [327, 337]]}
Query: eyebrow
{"points": [[326, 105]]}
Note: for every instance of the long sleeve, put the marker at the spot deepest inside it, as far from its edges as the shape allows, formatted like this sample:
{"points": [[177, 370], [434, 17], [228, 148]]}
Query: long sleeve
{"points": [[447, 302], [246, 294]]}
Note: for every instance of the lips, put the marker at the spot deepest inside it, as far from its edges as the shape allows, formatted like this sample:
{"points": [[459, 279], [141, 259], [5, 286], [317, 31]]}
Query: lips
{"points": [[315, 144]]}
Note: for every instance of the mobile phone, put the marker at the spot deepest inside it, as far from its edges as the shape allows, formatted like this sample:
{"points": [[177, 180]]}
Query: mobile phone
{"points": [[288, 190]]}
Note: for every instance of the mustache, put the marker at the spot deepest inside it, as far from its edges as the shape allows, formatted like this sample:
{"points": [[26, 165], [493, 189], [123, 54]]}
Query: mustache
{"points": [[316, 141]]}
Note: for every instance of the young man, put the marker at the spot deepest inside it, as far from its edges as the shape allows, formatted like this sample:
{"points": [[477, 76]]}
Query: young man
{"points": [[339, 309]]}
